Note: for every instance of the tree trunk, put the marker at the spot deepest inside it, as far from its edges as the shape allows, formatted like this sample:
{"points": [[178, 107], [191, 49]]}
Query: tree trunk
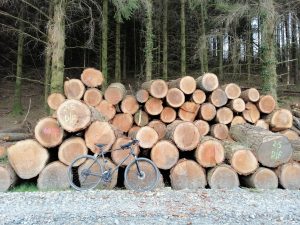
{"points": [[118, 50], [92, 77], [92, 97], [8, 177], [104, 62], [147, 137], [223, 177], [203, 40], [28, 158], [149, 40], [165, 39], [182, 38], [74, 89], [262, 178], [270, 149], [289, 175], [220, 54]]}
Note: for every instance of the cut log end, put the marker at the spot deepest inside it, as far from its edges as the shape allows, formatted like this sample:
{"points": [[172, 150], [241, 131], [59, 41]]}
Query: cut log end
{"points": [[207, 82], [147, 137], [157, 88], [141, 118], [224, 115], [263, 124], [92, 77], [289, 175], [266, 104], [175, 97], [159, 127], [154, 106], [262, 178], [244, 162], [168, 115], [251, 113], [8, 177], [115, 93], [129, 105], [199, 96], [74, 89], [55, 100], [237, 105], [219, 131], [203, 127], [92, 97], [123, 122], [281, 119], [250, 95], [207, 112], [238, 120], [106, 109], [142, 96], [232, 90], [218, 98], [223, 177]]}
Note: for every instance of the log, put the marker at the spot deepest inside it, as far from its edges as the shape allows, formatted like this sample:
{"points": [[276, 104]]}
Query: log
{"points": [[251, 113], [74, 89], [266, 104], [48, 132], [218, 98], [92, 97], [280, 119], [106, 109], [263, 124], [3, 148], [296, 150], [22, 128], [141, 118], [92, 77], [232, 90], [219, 131], [154, 106], [188, 111], [8, 177], [156, 88], [271, 149], [175, 98], [186, 84], [207, 82], [187, 174], [119, 155], [289, 175], [14, 136], [210, 152], [250, 95], [55, 100], [70, 149], [147, 137], [223, 177], [203, 127], [290, 134], [240, 158], [237, 120], [28, 158], [159, 127], [129, 105], [262, 178], [198, 96], [142, 96], [164, 154], [296, 123], [184, 134], [207, 111], [224, 115], [133, 131], [168, 115], [237, 105], [123, 121], [115, 93], [73, 115], [53, 177], [99, 133]]}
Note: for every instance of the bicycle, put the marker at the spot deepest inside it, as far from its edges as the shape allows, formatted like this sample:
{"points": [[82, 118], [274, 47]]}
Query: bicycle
{"points": [[87, 171]]}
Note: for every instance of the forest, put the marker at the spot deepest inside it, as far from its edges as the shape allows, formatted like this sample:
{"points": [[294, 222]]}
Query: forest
{"points": [[46, 42]]}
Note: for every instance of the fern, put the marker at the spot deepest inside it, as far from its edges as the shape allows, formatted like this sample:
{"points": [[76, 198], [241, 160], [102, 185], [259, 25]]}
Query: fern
{"points": [[125, 8]]}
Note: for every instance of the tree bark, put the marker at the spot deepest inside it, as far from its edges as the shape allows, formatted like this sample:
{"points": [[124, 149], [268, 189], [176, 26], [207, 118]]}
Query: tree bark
{"points": [[149, 39], [165, 39], [182, 38], [104, 62], [118, 50]]}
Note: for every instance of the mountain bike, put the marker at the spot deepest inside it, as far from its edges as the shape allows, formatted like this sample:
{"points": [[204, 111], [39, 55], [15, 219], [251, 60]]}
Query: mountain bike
{"points": [[87, 171]]}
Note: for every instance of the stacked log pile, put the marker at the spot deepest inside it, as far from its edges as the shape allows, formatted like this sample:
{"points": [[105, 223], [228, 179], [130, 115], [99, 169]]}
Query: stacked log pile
{"points": [[199, 134]]}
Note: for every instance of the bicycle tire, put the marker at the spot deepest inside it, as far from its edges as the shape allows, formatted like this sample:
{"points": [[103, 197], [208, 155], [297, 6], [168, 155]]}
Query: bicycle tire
{"points": [[79, 174], [149, 178]]}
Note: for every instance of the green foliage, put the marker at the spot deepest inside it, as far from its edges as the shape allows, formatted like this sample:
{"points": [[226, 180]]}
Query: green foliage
{"points": [[25, 187], [125, 9]]}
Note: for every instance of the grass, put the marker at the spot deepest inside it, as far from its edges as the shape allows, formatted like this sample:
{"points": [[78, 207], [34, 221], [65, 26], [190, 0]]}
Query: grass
{"points": [[25, 187]]}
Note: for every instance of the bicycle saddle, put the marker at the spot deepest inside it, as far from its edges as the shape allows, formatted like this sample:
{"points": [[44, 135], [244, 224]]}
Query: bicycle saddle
{"points": [[100, 145]]}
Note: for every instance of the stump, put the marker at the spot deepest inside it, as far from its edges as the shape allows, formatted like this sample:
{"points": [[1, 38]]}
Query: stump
{"points": [[141, 118], [232, 90], [159, 127], [123, 122], [53, 177], [262, 178], [156, 88], [55, 100], [251, 113], [28, 158], [147, 137], [74, 89], [266, 104], [129, 105], [175, 98], [168, 115], [219, 131], [207, 111], [154, 106], [250, 95], [186, 84], [207, 82], [115, 93], [203, 127], [198, 96], [218, 98], [223, 177], [106, 109], [92, 97], [142, 96], [92, 77], [187, 174], [224, 115], [8, 177], [289, 175], [280, 119]]}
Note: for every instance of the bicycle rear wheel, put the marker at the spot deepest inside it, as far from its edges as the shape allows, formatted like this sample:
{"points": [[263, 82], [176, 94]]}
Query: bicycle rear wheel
{"points": [[141, 175], [85, 176]]}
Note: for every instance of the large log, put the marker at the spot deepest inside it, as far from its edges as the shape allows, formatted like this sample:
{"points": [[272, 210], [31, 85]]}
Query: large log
{"points": [[92, 77], [232, 90], [271, 149], [129, 105], [266, 104], [141, 118], [73, 115], [280, 119], [118, 155], [123, 121], [237, 105], [224, 115], [290, 134], [251, 113], [115, 93], [168, 115], [99, 133], [14, 136], [184, 134], [219, 131], [27, 158], [262, 178], [210, 152], [53, 177], [240, 158], [154, 106], [156, 88], [175, 98], [55, 100], [70, 149], [188, 111], [8, 177], [147, 137], [296, 149], [92, 97], [159, 127], [207, 82], [223, 177], [250, 95], [133, 131], [207, 111], [289, 175], [74, 89], [218, 98], [203, 127], [48, 132], [106, 109], [186, 84], [164, 154], [187, 174], [198, 96], [142, 96]]}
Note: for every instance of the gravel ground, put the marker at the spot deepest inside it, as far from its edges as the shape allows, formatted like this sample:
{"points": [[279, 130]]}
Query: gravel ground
{"points": [[166, 206]]}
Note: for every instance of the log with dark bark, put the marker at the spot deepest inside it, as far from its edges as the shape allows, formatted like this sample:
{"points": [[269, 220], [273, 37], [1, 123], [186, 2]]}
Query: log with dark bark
{"points": [[175, 97], [207, 82], [262, 178], [92, 97], [9, 137], [223, 177], [271, 149], [92, 77], [55, 100], [289, 175], [186, 84], [156, 88], [115, 93], [74, 89], [8, 177]]}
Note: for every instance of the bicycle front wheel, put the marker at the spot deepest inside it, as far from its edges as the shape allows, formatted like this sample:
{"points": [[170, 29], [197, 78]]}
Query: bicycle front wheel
{"points": [[141, 175], [85, 176]]}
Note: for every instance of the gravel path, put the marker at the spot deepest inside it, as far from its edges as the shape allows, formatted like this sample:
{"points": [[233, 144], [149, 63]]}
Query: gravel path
{"points": [[166, 206]]}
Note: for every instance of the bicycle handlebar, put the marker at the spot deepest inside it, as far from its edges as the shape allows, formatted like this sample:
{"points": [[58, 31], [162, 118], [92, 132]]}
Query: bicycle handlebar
{"points": [[127, 145]]}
